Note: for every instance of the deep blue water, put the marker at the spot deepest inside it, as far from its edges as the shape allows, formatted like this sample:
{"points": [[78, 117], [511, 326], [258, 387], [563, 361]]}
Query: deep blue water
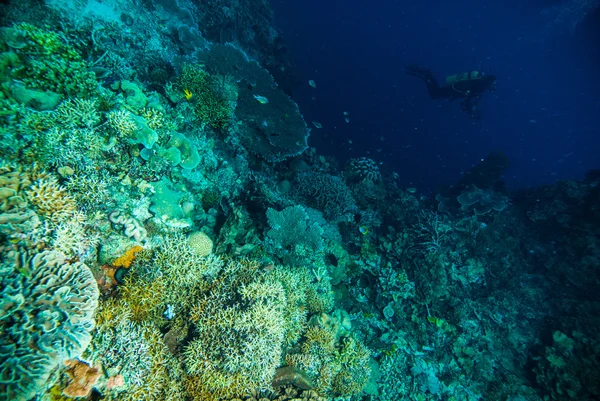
{"points": [[544, 114]]}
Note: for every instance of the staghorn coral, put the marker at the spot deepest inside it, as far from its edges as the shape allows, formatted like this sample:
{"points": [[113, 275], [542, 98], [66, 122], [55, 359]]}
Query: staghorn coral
{"points": [[81, 113], [51, 200], [136, 353], [175, 276], [337, 363], [245, 310], [121, 122], [91, 190], [74, 238], [47, 309]]}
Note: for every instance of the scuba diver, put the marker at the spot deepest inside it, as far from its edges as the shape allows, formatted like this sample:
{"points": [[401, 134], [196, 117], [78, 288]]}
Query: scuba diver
{"points": [[468, 86]]}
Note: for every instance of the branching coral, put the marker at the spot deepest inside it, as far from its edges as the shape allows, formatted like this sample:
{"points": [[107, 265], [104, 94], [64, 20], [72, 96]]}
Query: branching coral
{"points": [[136, 353], [337, 367], [246, 313], [73, 238], [81, 113], [51, 199], [214, 96]]}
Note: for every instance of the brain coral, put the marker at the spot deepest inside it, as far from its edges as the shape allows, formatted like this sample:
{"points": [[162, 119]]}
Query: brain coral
{"points": [[200, 243], [363, 170], [46, 314]]}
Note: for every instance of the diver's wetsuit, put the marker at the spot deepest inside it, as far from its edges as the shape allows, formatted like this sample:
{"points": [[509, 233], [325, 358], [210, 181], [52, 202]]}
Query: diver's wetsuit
{"points": [[469, 89]]}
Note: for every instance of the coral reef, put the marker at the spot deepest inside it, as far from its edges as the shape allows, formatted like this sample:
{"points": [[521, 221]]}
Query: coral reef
{"points": [[48, 310], [144, 158], [83, 378], [292, 236], [273, 129], [200, 243]]}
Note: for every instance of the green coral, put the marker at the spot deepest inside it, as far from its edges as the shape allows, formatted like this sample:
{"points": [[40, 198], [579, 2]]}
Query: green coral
{"points": [[51, 64], [293, 236], [213, 96], [334, 360]]}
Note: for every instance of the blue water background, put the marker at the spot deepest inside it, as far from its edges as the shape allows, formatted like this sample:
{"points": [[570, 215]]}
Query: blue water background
{"points": [[544, 114]]}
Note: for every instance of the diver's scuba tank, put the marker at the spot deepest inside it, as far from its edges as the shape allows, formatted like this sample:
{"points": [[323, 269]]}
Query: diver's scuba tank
{"points": [[465, 76]]}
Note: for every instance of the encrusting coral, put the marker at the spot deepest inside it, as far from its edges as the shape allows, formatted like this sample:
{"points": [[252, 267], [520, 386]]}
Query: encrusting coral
{"points": [[83, 377], [127, 258]]}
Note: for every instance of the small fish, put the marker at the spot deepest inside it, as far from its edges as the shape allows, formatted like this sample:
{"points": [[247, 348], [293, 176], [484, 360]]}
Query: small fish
{"points": [[350, 141], [312, 83], [317, 124], [261, 99], [347, 119], [363, 230], [412, 190], [346, 113], [435, 320], [187, 94]]}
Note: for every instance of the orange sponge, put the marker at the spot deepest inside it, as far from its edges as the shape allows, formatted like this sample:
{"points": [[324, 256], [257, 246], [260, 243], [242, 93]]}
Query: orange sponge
{"points": [[127, 258]]}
